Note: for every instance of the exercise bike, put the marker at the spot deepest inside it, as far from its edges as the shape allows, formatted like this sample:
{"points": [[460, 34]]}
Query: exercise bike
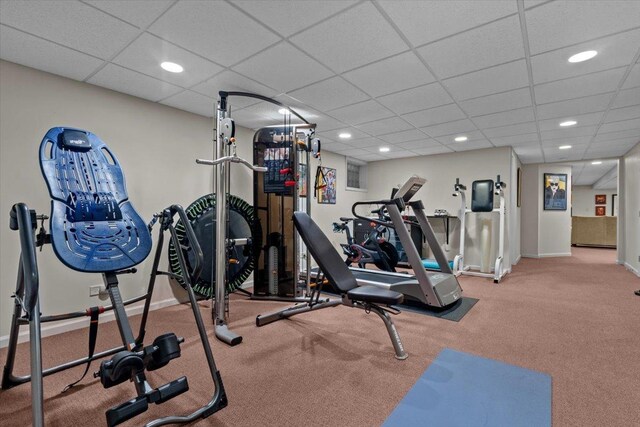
{"points": [[374, 250]]}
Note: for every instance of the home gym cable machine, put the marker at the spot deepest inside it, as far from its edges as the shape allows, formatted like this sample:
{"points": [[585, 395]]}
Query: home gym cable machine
{"points": [[288, 175]]}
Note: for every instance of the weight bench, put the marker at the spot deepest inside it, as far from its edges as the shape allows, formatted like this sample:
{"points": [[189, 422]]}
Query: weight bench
{"points": [[95, 229], [338, 275]]}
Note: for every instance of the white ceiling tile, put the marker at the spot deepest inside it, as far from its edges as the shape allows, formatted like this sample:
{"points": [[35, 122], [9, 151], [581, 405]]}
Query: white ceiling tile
{"points": [[336, 147], [366, 143], [347, 41], [573, 141], [432, 150], [458, 126], [620, 126], [514, 140], [390, 75], [633, 79], [35, 52], [385, 126], [330, 94], [193, 102], [482, 47], [420, 98], [562, 23], [426, 21], [73, 24], [432, 116], [147, 52], [627, 98], [576, 87], [470, 145], [475, 135], [595, 151], [362, 112], [233, 82], [555, 155], [587, 104], [258, 116], [568, 132], [267, 68], [519, 129], [215, 30], [287, 17], [370, 157], [624, 113], [613, 51], [619, 142], [399, 154], [582, 119], [607, 136], [505, 118], [133, 83], [528, 4], [497, 103], [405, 136], [140, 12], [488, 81], [424, 142]]}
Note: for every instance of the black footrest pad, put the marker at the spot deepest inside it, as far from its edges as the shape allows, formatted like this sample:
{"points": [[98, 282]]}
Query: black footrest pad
{"points": [[375, 295], [172, 389], [121, 413]]}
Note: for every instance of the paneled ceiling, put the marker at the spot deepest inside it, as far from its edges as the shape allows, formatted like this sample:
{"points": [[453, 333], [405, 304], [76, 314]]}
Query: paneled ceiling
{"points": [[408, 75]]}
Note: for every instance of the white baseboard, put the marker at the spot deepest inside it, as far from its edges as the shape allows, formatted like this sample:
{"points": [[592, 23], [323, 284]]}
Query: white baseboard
{"points": [[632, 269], [517, 260], [54, 328], [530, 256], [551, 255]]}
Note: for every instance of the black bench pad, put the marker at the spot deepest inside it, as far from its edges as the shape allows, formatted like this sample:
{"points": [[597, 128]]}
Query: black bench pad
{"points": [[375, 295]]}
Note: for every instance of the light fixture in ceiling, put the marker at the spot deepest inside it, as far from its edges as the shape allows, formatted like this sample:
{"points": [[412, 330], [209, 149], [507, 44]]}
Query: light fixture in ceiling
{"points": [[172, 67], [564, 147], [283, 111], [384, 149], [597, 162], [344, 135], [460, 138], [582, 56], [568, 123]]}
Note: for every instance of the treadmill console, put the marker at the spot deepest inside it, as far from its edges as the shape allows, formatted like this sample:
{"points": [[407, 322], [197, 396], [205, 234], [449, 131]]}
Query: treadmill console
{"points": [[410, 188]]}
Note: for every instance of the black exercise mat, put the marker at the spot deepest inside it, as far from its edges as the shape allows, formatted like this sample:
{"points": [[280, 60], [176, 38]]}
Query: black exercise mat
{"points": [[455, 312]]}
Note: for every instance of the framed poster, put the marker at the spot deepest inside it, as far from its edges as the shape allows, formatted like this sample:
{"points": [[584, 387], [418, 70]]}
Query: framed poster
{"points": [[519, 195], [303, 180], [555, 191], [327, 192], [601, 210], [601, 199]]}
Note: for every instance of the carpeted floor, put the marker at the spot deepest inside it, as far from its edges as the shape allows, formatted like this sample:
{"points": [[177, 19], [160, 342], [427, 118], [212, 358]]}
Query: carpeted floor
{"points": [[573, 318]]}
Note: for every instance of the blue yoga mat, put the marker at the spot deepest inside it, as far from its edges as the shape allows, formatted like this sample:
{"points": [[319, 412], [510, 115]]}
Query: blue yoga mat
{"points": [[432, 264], [459, 389]]}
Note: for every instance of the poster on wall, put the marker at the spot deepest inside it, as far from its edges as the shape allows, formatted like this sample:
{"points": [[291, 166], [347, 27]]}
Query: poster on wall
{"points": [[519, 195], [302, 180], [555, 191], [327, 193], [601, 210], [601, 199]]}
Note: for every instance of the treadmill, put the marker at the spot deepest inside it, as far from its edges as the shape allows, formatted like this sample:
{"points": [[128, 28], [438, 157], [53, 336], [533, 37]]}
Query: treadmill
{"points": [[437, 289]]}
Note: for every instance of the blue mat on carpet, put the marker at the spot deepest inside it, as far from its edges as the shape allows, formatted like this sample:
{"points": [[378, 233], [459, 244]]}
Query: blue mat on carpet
{"points": [[459, 389]]}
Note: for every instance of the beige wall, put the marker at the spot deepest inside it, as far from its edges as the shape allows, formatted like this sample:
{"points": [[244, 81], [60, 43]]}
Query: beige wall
{"points": [[583, 202], [630, 181], [544, 233], [441, 172]]}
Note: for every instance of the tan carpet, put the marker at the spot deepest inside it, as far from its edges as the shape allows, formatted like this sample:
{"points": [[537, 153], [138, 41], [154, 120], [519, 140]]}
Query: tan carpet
{"points": [[574, 318]]}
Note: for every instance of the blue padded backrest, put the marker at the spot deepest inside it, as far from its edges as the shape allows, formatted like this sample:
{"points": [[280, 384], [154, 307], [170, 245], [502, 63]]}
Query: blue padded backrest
{"points": [[482, 196], [94, 227]]}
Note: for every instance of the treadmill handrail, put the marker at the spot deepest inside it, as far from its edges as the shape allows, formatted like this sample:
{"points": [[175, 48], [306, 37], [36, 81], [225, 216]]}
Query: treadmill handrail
{"points": [[398, 202]]}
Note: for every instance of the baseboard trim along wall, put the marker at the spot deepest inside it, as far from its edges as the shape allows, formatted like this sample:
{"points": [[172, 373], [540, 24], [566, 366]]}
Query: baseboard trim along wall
{"points": [[55, 328], [631, 269], [546, 255]]}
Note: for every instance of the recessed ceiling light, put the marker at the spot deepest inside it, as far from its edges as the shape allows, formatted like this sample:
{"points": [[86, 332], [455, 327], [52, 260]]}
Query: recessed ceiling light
{"points": [[172, 67], [568, 123], [384, 149], [460, 138], [283, 111], [344, 135], [583, 56], [597, 162], [564, 147]]}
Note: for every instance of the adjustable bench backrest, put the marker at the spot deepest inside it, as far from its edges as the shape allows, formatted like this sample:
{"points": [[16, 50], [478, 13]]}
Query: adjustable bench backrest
{"points": [[324, 253], [94, 227]]}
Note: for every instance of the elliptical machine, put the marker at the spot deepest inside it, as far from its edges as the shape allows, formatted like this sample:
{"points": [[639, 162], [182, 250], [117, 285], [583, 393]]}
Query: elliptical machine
{"points": [[375, 249]]}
